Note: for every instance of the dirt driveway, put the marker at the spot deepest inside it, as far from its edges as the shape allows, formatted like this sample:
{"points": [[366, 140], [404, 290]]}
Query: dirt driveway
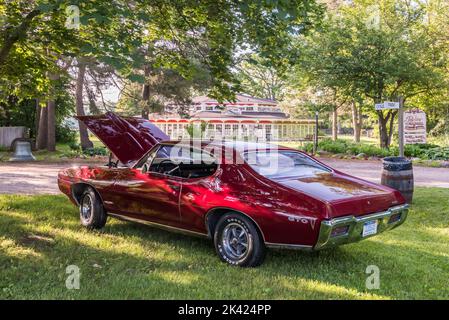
{"points": [[40, 178]]}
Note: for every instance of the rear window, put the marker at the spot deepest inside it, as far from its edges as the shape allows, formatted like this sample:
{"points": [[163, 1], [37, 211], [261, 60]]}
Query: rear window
{"points": [[283, 163]]}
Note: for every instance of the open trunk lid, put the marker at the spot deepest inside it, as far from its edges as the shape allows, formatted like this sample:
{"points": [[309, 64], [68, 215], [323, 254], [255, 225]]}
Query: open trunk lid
{"points": [[127, 138]]}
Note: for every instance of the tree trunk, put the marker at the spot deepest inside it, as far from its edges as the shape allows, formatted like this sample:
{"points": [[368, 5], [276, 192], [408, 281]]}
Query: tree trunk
{"points": [[386, 126], [356, 121], [42, 132], [51, 114], [84, 135], [146, 95], [93, 108], [51, 125], [36, 120], [335, 123], [383, 135], [390, 133]]}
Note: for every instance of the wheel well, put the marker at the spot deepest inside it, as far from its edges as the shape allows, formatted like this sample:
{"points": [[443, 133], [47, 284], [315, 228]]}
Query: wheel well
{"points": [[78, 190], [215, 214]]}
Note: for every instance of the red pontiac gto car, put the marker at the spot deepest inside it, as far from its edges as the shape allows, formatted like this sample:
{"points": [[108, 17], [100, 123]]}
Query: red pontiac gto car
{"points": [[245, 196]]}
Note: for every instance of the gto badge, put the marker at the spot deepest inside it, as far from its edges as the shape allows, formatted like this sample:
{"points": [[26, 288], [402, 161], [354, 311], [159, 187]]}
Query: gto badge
{"points": [[298, 219]]}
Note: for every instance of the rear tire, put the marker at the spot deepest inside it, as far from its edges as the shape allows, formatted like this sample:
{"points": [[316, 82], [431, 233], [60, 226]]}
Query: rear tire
{"points": [[92, 213], [238, 241]]}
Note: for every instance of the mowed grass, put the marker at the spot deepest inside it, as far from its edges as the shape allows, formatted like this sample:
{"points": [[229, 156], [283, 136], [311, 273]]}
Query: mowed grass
{"points": [[40, 236]]}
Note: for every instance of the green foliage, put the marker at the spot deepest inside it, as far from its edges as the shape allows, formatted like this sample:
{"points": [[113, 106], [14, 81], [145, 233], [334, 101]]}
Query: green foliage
{"points": [[96, 151], [423, 151], [74, 146], [196, 130], [22, 112], [439, 153], [346, 147], [373, 51], [119, 35], [417, 150], [65, 134], [259, 78]]}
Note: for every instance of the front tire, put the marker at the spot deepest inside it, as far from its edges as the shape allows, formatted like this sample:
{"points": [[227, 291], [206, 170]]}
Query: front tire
{"points": [[92, 213], [238, 242]]}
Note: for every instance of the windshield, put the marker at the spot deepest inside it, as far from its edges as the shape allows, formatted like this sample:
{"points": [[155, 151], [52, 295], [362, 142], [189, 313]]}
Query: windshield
{"points": [[283, 163]]}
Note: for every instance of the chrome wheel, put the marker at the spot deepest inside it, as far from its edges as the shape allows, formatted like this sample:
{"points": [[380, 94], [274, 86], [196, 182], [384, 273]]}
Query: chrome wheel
{"points": [[86, 207], [236, 241]]}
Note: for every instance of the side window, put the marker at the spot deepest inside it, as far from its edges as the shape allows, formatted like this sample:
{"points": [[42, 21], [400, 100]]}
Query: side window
{"points": [[180, 161], [200, 164]]}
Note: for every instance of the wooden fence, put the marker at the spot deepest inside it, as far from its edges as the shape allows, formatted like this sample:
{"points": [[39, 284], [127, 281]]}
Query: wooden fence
{"points": [[8, 134]]}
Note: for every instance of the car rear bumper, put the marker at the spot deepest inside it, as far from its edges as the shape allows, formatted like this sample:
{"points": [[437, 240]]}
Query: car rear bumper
{"points": [[353, 226]]}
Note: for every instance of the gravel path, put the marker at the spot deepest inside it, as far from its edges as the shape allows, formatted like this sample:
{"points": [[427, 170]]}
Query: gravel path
{"points": [[40, 178]]}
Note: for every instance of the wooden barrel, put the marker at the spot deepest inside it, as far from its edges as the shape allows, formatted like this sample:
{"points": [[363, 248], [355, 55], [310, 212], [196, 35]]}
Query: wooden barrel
{"points": [[397, 173]]}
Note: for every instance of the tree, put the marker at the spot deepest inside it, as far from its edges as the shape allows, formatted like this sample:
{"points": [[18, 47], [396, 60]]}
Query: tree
{"points": [[115, 32], [260, 79], [84, 135], [34, 40], [379, 50]]}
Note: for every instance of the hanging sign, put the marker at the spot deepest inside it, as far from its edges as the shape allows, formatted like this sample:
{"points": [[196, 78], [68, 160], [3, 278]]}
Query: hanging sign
{"points": [[415, 126]]}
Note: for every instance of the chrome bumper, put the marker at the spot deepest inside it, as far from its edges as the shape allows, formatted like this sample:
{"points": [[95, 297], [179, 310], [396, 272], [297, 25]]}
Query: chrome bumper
{"points": [[355, 224]]}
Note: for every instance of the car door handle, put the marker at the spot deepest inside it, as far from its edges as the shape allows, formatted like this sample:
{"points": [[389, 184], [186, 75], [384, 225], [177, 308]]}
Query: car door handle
{"points": [[175, 187]]}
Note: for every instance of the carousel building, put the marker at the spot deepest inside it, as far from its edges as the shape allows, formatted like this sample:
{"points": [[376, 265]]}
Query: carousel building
{"points": [[247, 119]]}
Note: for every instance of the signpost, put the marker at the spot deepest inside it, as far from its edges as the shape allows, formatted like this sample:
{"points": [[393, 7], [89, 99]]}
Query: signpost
{"points": [[401, 126]]}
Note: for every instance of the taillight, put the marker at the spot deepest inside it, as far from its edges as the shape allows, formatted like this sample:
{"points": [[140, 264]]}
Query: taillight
{"points": [[340, 231], [394, 218]]}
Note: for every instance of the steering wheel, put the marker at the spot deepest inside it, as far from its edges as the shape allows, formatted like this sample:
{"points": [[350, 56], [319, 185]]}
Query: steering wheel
{"points": [[171, 170]]}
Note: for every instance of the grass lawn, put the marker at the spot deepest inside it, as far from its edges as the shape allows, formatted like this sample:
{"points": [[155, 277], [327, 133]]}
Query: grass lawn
{"points": [[40, 236]]}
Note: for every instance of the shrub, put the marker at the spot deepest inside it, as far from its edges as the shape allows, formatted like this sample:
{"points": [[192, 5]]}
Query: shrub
{"points": [[65, 134], [423, 151], [418, 150], [338, 146], [96, 151], [308, 147], [369, 150], [74, 146], [438, 153]]}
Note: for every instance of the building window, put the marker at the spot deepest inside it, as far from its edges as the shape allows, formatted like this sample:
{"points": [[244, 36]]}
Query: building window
{"points": [[244, 130], [219, 129], [228, 130], [235, 130], [210, 130], [268, 134], [209, 108]]}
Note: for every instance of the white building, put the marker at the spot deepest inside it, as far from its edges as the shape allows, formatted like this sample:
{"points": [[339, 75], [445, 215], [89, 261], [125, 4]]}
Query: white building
{"points": [[247, 118]]}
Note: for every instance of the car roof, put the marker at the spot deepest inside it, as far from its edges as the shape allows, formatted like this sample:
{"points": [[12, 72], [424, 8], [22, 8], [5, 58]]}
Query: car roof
{"points": [[240, 146]]}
